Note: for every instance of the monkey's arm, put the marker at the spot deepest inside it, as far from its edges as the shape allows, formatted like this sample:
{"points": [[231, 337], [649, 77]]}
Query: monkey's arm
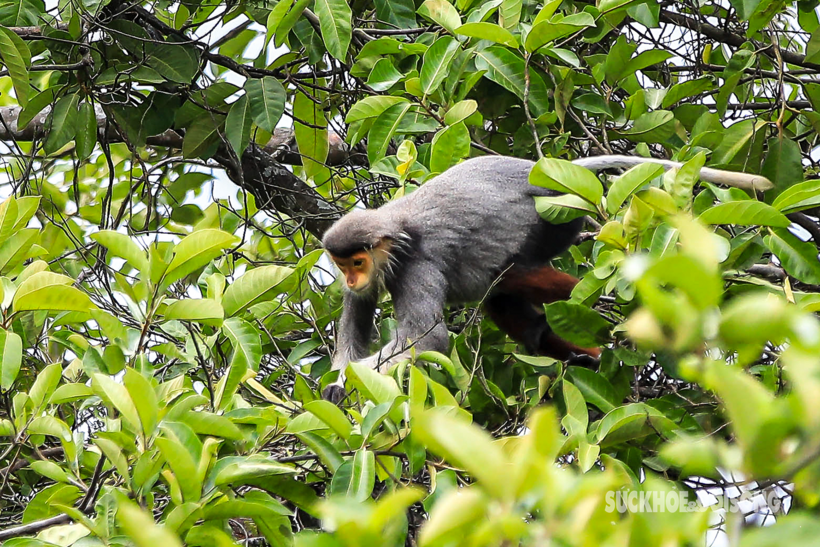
{"points": [[355, 328], [708, 174], [418, 301]]}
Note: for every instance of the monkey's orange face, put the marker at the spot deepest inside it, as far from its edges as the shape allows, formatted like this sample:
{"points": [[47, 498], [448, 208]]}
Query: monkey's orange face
{"points": [[357, 269]]}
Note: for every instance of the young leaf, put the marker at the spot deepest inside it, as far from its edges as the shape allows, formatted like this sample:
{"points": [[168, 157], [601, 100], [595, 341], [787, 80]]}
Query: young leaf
{"points": [[11, 356], [441, 12], [745, 213]]}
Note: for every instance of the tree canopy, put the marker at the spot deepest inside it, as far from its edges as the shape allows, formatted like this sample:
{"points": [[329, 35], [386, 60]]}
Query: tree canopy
{"points": [[166, 315]]}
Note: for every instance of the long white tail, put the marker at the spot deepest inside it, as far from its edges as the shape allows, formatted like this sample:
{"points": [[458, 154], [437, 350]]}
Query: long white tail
{"points": [[717, 176]]}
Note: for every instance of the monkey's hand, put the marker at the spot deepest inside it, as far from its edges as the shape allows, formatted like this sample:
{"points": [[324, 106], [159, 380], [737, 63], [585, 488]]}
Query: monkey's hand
{"points": [[334, 393]]}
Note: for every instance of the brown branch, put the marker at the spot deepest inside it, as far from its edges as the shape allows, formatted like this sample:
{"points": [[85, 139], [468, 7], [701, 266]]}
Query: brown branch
{"points": [[805, 222], [719, 35], [33, 527], [263, 174]]}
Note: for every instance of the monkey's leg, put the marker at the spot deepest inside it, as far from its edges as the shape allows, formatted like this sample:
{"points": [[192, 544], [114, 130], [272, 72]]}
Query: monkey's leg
{"points": [[539, 285], [517, 317]]}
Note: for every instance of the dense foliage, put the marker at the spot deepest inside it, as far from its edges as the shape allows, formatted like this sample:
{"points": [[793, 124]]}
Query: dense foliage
{"points": [[163, 342]]}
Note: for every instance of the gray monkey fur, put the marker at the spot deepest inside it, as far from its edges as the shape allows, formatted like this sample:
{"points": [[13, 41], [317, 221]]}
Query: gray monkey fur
{"points": [[452, 238]]}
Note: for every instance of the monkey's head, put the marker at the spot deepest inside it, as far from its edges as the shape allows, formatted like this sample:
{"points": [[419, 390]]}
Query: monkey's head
{"points": [[360, 245]]}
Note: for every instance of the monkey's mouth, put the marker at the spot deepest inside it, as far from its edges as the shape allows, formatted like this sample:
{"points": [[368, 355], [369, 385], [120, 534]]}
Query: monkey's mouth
{"points": [[359, 289]]}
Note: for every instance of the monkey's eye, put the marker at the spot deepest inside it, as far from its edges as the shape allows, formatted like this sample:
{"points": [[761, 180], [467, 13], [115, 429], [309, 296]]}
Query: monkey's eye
{"points": [[358, 263]]}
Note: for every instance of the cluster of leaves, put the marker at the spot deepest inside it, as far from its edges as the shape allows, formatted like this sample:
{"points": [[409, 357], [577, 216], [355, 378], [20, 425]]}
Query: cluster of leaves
{"points": [[162, 348]]}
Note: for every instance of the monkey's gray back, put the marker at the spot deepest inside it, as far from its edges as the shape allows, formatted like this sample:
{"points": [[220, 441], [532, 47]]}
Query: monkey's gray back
{"points": [[478, 218]]}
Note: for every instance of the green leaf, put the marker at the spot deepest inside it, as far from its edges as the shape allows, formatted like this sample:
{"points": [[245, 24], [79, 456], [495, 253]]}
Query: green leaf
{"points": [[798, 197], [183, 465], [356, 478], [86, 137], [687, 89], [566, 177], [334, 22], [67, 393], [436, 63], [626, 184], [49, 425], [400, 13], [798, 258], [460, 111], [15, 248], [201, 137], [312, 139], [655, 126], [124, 247], [747, 402], [8, 218], [509, 13], [254, 286], [140, 526], [50, 470], [595, 388], [374, 386], [175, 62], [239, 470], [11, 356], [488, 31], [208, 423], [267, 101], [238, 125], [562, 209], [449, 146], [548, 31], [646, 59], [507, 70], [384, 75], [247, 354], [332, 416], [631, 422], [577, 323], [784, 163], [379, 136], [36, 105], [441, 12], [63, 123], [45, 384], [195, 251], [203, 310], [465, 446], [745, 213], [372, 107], [16, 56], [50, 291], [576, 409], [117, 395], [289, 20]]}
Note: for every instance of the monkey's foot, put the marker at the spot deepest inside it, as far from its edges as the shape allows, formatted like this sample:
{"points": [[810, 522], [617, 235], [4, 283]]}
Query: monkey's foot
{"points": [[334, 393], [583, 360]]}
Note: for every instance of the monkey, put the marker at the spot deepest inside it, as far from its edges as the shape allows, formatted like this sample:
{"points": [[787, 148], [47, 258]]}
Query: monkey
{"points": [[470, 233]]}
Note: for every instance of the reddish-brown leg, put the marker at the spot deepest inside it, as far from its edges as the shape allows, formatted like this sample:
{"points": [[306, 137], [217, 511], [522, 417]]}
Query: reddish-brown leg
{"points": [[512, 307]]}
